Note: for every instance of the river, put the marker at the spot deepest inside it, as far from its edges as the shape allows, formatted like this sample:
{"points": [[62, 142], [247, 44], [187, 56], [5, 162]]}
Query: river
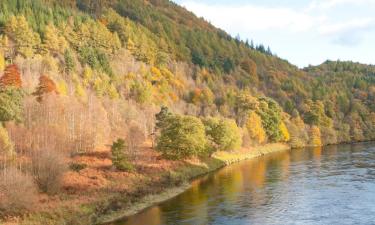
{"points": [[330, 185]]}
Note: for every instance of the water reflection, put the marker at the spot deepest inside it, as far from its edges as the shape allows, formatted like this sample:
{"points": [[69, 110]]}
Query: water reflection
{"points": [[306, 186]]}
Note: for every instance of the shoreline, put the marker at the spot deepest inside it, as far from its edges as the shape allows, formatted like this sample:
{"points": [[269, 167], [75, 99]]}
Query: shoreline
{"points": [[226, 159]]}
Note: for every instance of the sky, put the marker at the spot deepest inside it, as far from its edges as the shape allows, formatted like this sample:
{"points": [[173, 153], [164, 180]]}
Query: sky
{"points": [[304, 32]]}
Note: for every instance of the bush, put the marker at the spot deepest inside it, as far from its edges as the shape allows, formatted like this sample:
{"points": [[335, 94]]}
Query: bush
{"points": [[224, 134], [119, 159], [182, 137], [77, 166], [17, 192], [48, 168]]}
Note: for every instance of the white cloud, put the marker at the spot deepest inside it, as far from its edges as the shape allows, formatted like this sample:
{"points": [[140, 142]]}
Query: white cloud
{"points": [[328, 4], [355, 24], [252, 18], [323, 28]]}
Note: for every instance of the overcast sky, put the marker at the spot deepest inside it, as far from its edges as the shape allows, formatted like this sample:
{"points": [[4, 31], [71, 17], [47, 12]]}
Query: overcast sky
{"points": [[302, 31]]}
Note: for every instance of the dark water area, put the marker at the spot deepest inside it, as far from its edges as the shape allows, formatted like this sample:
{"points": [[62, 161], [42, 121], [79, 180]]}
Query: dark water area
{"points": [[330, 185]]}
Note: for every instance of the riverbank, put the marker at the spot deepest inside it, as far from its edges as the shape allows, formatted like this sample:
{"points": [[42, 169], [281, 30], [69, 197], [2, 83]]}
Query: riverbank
{"points": [[188, 173], [100, 195]]}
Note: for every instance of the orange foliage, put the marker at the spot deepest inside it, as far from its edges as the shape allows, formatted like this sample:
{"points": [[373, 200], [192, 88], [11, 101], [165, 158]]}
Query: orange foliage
{"points": [[11, 77], [46, 85]]}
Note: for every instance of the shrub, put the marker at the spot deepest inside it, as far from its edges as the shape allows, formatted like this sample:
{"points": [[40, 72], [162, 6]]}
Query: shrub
{"points": [[119, 159], [224, 133], [48, 168], [17, 192], [77, 166], [182, 137]]}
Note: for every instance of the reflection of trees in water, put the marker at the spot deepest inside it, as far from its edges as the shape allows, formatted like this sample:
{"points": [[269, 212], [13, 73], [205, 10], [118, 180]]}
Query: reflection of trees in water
{"points": [[245, 187], [152, 216]]}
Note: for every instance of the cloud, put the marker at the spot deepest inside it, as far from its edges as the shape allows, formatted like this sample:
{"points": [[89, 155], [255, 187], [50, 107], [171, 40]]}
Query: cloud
{"points": [[251, 17], [328, 4], [350, 33]]}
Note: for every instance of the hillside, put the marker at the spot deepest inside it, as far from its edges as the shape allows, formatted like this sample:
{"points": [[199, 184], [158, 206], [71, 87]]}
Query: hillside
{"points": [[78, 77]]}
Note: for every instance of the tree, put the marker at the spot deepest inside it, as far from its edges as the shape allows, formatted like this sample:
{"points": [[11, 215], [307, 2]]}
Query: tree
{"points": [[315, 114], [69, 61], [255, 128], [315, 136], [6, 145], [11, 77], [2, 61], [162, 118], [250, 67], [244, 103], [48, 167], [270, 112], [10, 104], [18, 192], [182, 137], [53, 41], [119, 158], [134, 138], [25, 39], [46, 85], [284, 131], [224, 134]]}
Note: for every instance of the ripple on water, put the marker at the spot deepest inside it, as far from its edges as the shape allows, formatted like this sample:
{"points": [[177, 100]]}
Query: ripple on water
{"points": [[335, 185]]}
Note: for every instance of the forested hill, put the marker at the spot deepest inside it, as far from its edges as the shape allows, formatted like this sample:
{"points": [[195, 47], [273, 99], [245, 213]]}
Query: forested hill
{"points": [[157, 53]]}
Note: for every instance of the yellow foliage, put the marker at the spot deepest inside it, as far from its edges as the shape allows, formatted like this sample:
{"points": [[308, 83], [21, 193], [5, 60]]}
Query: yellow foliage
{"points": [[53, 41], [62, 88], [87, 76], [315, 136], [284, 131], [156, 74], [112, 92], [50, 64], [6, 145], [255, 128], [24, 38], [79, 90], [2, 62]]}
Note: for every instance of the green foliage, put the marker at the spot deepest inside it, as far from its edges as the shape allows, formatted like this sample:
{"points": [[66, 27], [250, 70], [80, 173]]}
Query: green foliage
{"points": [[182, 137], [162, 118], [270, 112], [119, 158], [224, 134], [69, 61], [141, 91], [11, 104], [77, 166], [95, 59], [315, 114]]}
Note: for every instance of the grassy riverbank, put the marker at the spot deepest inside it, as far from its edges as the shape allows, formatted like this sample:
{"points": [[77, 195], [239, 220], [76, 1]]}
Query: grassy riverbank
{"points": [[125, 194], [188, 172]]}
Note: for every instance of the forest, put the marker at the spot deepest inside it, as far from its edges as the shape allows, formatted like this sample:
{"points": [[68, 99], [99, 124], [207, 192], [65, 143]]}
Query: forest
{"points": [[135, 83]]}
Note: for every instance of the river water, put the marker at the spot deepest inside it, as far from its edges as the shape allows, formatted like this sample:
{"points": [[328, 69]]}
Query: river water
{"points": [[330, 185]]}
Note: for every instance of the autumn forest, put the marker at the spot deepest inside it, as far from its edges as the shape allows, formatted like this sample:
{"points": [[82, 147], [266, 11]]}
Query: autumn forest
{"points": [[97, 97]]}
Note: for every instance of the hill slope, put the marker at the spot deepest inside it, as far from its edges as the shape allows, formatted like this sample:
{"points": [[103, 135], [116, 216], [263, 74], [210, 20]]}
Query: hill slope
{"points": [[77, 75]]}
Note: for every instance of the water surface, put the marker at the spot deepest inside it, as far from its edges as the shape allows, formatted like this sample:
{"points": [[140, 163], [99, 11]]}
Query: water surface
{"points": [[331, 185]]}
